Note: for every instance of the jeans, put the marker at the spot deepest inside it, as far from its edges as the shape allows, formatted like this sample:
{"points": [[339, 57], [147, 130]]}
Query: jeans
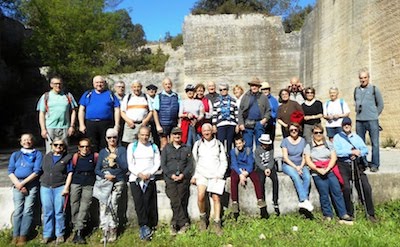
{"points": [[53, 214], [346, 172], [226, 132], [109, 212], [332, 131], [145, 203], [301, 183], [308, 132], [178, 193], [372, 126], [81, 198], [192, 136], [329, 189], [275, 184], [250, 134], [23, 210]]}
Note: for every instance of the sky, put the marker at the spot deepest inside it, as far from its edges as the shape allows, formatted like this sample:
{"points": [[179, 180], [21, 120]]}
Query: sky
{"points": [[160, 16]]}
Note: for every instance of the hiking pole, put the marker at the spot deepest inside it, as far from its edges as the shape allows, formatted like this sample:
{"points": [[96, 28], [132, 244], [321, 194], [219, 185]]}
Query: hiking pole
{"points": [[362, 194], [352, 186]]}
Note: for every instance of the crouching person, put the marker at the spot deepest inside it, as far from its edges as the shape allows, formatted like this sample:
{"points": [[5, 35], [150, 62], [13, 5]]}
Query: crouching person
{"points": [[143, 163], [177, 165], [211, 163], [242, 167]]}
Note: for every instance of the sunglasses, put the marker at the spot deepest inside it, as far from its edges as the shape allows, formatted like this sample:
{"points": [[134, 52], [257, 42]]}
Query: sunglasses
{"points": [[58, 145], [223, 89], [82, 146], [318, 132], [111, 137], [309, 92], [267, 88], [294, 130]]}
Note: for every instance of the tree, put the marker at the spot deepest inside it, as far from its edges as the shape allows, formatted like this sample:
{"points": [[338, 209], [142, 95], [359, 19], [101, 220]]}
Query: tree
{"points": [[295, 20], [177, 41]]}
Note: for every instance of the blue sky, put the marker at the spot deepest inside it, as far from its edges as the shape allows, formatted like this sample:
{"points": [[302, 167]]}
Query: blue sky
{"points": [[160, 16]]}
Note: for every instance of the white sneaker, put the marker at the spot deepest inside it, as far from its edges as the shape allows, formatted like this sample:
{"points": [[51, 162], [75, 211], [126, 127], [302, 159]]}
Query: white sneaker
{"points": [[306, 204]]}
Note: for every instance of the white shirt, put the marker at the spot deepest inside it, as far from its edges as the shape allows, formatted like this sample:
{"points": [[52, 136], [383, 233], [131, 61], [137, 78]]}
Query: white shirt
{"points": [[334, 107], [137, 108], [145, 160]]}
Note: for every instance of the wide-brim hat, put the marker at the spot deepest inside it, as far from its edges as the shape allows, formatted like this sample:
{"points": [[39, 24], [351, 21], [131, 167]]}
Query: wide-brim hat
{"points": [[265, 85], [265, 139], [255, 82]]}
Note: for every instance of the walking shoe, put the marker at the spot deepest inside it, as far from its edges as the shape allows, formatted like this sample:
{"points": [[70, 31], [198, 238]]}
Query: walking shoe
{"points": [[374, 169], [372, 218], [112, 235], [45, 241], [264, 213], [306, 204], [79, 238], [172, 230], [184, 228], [217, 228], [60, 240], [14, 240], [21, 241], [276, 208], [327, 218], [145, 233], [235, 207], [347, 220], [261, 203], [203, 222]]}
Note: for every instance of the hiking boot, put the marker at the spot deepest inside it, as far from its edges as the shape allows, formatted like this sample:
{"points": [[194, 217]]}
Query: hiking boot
{"points": [[14, 241], [347, 220], [45, 241], [276, 208], [217, 228], [261, 203], [60, 240], [21, 241], [372, 218], [184, 228], [264, 213], [172, 230], [374, 169], [235, 207], [145, 233], [78, 238], [112, 235], [203, 222]]}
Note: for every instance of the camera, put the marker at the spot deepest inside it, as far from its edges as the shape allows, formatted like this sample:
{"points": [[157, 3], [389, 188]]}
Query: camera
{"points": [[177, 173], [359, 109]]}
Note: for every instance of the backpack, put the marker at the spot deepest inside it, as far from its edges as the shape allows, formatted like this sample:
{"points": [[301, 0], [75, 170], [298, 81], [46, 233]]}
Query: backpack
{"points": [[130, 95], [89, 95], [76, 157], [248, 151], [201, 140], [341, 104], [135, 144], [373, 93], [46, 100]]}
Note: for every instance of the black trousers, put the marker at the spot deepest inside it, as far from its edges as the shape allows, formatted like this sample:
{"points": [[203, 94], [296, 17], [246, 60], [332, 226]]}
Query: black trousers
{"points": [[345, 171], [275, 184], [96, 132], [178, 193], [145, 204]]}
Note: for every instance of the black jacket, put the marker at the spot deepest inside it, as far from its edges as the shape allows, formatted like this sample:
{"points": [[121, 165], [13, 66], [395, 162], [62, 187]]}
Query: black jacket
{"points": [[54, 175], [176, 161]]}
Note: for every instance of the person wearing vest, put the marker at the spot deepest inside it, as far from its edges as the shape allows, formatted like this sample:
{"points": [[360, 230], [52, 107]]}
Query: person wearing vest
{"points": [[57, 113], [112, 166], [143, 162], [83, 162], [254, 113], [225, 117], [212, 94], [177, 165], [99, 109], [55, 182], [24, 169], [137, 111], [335, 109], [369, 106], [166, 109], [208, 107]]}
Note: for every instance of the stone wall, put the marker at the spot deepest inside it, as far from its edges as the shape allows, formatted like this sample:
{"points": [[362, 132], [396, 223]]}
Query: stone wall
{"points": [[235, 48], [340, 37]]}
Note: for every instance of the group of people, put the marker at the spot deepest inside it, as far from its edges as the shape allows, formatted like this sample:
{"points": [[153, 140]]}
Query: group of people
{"points": [[199, 140]]}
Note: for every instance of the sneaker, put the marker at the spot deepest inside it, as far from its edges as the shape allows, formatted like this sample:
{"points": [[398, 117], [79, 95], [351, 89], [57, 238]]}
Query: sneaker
{"points": [[147, 233], [264, 213], [203, 222], [327, 218], [374, 169], [306, 204], [172, 230], [217, 228], [372, 218], [184, 228], [235, 207], [276, 208], [347, 220]]}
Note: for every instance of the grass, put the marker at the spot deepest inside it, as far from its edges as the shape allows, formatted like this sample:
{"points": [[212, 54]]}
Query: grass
{"points": [[389, 142], [276, 231]]}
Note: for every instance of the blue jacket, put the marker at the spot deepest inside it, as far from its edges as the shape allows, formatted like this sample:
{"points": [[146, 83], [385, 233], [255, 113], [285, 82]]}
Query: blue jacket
{"points": [[343, 147], [243, 161], [24, 164], [274, 104], [119, 170]]}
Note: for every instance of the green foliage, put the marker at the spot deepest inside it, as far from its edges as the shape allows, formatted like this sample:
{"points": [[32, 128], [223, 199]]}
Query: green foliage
{"points": [[295, 20], [177, 41], [214, 7]]}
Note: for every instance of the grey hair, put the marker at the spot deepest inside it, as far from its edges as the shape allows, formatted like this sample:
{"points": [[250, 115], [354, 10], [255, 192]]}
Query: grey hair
{"points": [[206, 125], [363, 70], [223, 84]]}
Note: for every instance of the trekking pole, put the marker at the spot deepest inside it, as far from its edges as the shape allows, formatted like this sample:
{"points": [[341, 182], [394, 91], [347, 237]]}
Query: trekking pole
{"points": [[351, 187], [362, 194]]}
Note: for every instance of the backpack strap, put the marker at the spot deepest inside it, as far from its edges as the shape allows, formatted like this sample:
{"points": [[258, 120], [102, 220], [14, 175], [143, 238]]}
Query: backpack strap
{"points": [[95, 157], [341, 104], [46, 101], [75, 159]]}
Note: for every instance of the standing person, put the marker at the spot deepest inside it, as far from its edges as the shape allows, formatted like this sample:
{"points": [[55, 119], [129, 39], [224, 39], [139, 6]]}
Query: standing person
{"points": [[254, 113], [242, 167], [296, 90], [320, 156], [177, 165], [238, 92], [265, 167], [151, 93], [369, 106], [285, 110], [57, 113], [225, 117], [335, 109], [212, 94], [313, 112], [294, 165], [55, 182], [210, 167], [351, 148], [208, 107], [84, 162], [24, 168], [166, 109], [111, 166], [143, 163], [274, 104], [191, 111], [98, 111], [119, 92], [137, 111]]}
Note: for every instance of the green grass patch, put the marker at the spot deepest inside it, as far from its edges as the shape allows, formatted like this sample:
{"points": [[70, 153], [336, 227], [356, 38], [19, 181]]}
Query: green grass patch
{"points": [[286, 230]]}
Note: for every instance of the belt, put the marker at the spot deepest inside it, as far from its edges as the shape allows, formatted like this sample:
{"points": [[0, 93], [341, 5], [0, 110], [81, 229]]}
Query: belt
{"points": [[98, 120], [137, 122], [86, 173]]}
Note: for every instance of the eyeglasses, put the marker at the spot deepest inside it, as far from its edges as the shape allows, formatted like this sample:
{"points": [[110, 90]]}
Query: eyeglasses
{"points": [[82, 146], [318, 132], [309, 92], [223, 89], [267, 88], [294, 130], [111, 137], [58, 145]]}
